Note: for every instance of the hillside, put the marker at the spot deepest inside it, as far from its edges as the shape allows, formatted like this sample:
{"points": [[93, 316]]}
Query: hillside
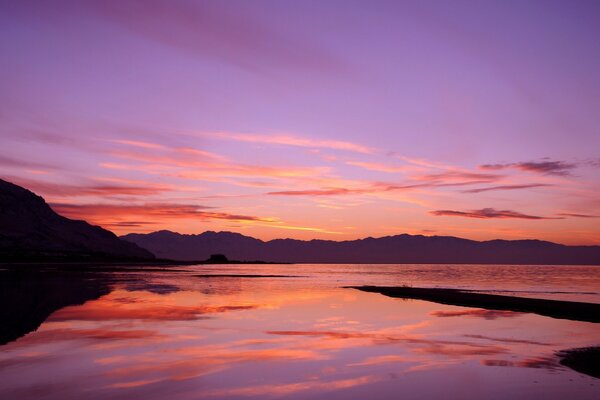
{"points": [[31, 230]]}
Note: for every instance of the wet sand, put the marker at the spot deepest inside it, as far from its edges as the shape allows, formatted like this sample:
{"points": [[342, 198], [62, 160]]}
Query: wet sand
{"points": [[585, 360]]}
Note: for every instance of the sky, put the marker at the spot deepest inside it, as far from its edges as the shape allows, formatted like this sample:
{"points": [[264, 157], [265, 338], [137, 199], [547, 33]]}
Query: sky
{"points": [[307, 119]]}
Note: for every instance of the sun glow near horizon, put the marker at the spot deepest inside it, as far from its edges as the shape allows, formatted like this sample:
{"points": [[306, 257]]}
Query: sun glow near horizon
{"points": [[244, 120]]}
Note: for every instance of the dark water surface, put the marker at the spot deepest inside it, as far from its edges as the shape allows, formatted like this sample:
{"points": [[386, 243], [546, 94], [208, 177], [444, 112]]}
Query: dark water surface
{"points": [[289, 331]]}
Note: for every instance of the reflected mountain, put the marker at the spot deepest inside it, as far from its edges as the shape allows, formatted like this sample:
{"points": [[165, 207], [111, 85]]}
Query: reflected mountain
{"points": [[28, 298]]}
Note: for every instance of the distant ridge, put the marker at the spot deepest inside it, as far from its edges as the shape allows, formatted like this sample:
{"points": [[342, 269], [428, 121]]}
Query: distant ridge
{"points": [[31, 231], [410, 249]]}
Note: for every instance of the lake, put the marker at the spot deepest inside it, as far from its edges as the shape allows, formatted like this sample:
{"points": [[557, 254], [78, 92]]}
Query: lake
{"points": [[289, 331]]}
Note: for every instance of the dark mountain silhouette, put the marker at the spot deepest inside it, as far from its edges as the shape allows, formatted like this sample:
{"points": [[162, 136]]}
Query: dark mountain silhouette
{"points": [[31, 230], [390, 249]]}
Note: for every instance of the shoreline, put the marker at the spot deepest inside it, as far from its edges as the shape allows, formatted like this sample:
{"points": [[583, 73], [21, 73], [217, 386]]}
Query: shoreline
{"points": [[571, 310]]}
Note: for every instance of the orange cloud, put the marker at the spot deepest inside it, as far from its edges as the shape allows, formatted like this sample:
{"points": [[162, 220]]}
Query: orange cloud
{"points": [[139, 215]]}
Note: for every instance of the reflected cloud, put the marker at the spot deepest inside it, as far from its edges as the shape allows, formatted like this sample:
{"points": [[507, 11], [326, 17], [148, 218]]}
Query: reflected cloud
{"points": [[466, 350], [108, 333], [509, 340], [383, 360], [143, 338], [481, 313], [387, 337], [157, 307], [292, 388], [191, 362], [534, 362]]}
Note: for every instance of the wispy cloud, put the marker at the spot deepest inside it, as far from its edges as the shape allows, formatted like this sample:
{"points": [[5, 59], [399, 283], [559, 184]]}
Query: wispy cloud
{"points": [[190, 163], [559, 168], [575, 215], [506, 187], [95, 187], [203, 29], [111, 214], [374, 187], [460, 175], [487, 213], [296, 141], [318, 192], [381, 167], [10, 162]]}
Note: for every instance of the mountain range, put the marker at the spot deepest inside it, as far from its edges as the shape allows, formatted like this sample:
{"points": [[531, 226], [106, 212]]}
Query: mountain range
{"points": [[31, 230], [403, 248]]}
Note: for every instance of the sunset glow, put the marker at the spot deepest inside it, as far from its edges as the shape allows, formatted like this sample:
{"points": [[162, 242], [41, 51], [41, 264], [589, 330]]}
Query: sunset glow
{"points": [[335, 120]]}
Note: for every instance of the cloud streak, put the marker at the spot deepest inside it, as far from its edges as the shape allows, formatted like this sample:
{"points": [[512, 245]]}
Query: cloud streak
{"points": [[97, 187], [558, 168], [296, 141], [119, 214], [575, 215], [488, 213], [205, 30], [507, 187]]}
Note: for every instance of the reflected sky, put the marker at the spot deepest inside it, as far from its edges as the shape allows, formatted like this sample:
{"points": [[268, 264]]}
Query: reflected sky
{"points": [[228, 338]]}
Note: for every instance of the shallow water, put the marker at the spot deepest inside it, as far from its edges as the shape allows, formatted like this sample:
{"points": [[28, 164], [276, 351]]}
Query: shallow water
{"points": [[178, 335]]}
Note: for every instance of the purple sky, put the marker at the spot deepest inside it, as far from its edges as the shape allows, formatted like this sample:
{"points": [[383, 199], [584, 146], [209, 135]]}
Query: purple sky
{"points": [[335, 119]]}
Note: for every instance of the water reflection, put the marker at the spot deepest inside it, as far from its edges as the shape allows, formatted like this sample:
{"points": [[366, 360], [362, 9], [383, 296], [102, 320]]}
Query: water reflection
{"points": [[168, 334], [486, 314], [27, 298]]}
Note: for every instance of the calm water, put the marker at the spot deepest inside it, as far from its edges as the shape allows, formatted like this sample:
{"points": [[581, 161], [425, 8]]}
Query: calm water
{"points": [[177, 335]]}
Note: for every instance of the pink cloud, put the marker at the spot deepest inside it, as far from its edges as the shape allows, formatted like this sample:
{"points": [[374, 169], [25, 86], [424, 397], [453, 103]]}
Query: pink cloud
{"points": [[122, 215], [507, 187], [291, 140]]}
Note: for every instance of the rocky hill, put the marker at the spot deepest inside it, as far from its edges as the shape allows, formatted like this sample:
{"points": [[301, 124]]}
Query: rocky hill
{"points": [[31, 230]]}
